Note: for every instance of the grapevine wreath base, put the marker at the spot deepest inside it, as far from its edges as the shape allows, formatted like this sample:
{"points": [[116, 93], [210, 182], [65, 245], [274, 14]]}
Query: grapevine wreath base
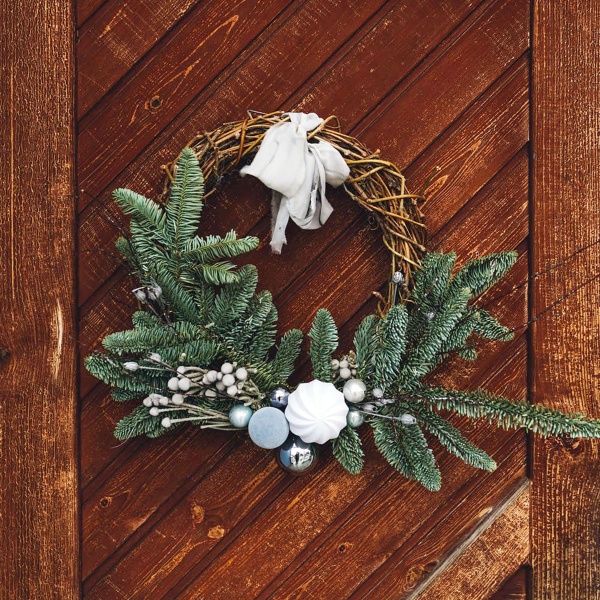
{"points": [[203, 349]]}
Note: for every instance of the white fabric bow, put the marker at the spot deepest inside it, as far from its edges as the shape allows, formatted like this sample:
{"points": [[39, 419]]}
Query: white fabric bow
{"points": [[297, 172]]}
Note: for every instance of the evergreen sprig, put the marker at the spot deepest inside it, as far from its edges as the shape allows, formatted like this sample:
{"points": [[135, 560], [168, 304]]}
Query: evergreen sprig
{"points": [[347, 449], [323, 342], [511, 415], [406, 449]]}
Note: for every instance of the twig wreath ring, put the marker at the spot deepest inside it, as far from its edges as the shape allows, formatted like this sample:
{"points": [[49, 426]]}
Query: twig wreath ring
{"points": [[204, 350]]}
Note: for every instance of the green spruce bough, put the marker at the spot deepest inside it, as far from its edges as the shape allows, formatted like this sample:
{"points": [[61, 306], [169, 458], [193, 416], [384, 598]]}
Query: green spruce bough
{"points": [[200, 311]]}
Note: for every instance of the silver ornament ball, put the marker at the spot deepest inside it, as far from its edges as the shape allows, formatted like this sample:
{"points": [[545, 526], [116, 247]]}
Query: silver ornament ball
{"points": [[354, 390], [279, 397], [296, 456], [355, 419], [240, 415]]}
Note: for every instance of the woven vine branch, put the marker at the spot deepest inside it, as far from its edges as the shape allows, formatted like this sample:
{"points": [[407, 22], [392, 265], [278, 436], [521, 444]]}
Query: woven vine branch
{"points": [[377, 185]]}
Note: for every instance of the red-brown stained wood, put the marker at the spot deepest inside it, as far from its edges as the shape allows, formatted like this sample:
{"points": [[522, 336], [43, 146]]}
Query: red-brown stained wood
{"points": [[39, 529], [227, 515], [113, 40], [405, 51], [565, 343]]}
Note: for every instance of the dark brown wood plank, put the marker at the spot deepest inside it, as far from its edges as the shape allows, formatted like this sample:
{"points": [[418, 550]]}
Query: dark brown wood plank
{"points": [[408, 568], [302, 243], [113, 40], [39, 529], [86, 8], [407, 51], [565, 343], [292, 527]]}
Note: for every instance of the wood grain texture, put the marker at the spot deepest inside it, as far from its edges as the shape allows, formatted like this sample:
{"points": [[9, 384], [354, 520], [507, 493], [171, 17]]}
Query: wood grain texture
{"points": [[39, 528], [516, 587], [228, 524], [113, 40], [481, 563], [565, 343]]}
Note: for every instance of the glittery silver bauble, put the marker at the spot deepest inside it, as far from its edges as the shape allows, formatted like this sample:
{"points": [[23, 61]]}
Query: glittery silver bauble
{"points": [[240, 415], [354, 390], [355, 419], [295, 456], [407, 419], [279, 397]]}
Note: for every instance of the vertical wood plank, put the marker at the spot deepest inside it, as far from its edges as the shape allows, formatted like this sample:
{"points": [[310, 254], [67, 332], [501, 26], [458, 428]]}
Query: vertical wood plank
{"points": [[39, 529], [565, 343]]}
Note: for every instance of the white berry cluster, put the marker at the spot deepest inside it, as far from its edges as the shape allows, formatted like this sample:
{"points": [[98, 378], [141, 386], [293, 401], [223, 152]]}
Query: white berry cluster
{"points": [[344, 368], [230, 380]]}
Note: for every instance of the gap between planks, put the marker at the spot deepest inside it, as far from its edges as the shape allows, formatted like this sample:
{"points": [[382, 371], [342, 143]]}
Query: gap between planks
{"points": [[457, 577]]}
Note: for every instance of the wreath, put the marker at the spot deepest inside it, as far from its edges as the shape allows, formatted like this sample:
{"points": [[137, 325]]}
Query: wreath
{"points": [[203, 349]]}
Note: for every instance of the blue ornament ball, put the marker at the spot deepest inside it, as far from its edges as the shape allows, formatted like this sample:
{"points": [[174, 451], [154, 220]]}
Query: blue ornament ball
{"points": [[240, 415], [268, 428]]}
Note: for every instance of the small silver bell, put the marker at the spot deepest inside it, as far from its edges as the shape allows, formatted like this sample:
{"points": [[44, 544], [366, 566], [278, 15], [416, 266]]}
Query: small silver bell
{"points": [[279, 397], [296, 456]]}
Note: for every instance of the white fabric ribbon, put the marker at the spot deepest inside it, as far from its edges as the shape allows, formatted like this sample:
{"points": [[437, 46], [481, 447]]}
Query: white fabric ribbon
{"points": [[297, 172]]}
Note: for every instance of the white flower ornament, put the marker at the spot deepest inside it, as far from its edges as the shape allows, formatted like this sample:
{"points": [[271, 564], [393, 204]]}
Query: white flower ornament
{"points": [[316, 412]]}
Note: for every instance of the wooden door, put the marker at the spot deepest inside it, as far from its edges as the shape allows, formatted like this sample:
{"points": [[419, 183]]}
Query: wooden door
{"points": [[453, 84]]}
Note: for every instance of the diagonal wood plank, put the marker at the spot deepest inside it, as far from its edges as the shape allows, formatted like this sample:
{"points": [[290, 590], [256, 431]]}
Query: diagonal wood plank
{"points": [[108, 408], [113, 40], [483, 561]]}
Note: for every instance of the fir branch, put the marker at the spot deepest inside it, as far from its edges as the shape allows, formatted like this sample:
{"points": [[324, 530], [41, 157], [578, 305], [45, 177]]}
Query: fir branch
{"points": [[287, 354], [111, 372], [450, 437], [233, 301], [142, 319], [424, 355], [365, 345], [185, 201], [347, 449], [213, 248], [489, 328], [432, 280], [481, 274], [511, 415], [264, 336], [121, 395], [140, 422], [217, 273], [127, 251], [147, 212], [176, 296], [323, 342], [405, 448], [391, 345], [143, 340]]}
